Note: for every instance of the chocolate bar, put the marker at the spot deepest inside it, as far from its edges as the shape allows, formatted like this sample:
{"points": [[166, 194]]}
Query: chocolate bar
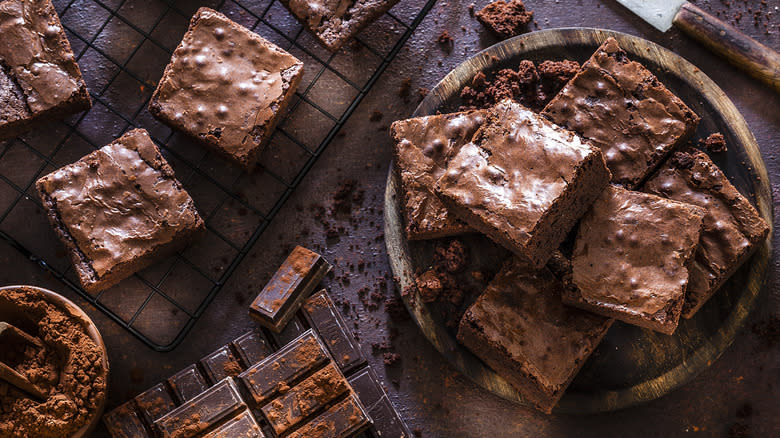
{"points": [[324, 317], [154, 403], [221, 364], [366, 386], [242, 425], [387, 422], [305, 398], [187, 383], [202, 412], [282, 296], [124, 422], [345, 418], [292, 330], [252, 348], [304, 354]]}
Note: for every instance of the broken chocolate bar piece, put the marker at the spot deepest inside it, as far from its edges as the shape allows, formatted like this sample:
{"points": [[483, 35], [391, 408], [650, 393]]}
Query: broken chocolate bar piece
{"points": [[252, 348], [323, 316], [292, 330], [387, 423], [124, 422], [281, 369], [242, 425], [291, 284], [344, 419], [187, 383], [366, 386], [220, 364], [154, 403], [202, 412], [305, 399]]}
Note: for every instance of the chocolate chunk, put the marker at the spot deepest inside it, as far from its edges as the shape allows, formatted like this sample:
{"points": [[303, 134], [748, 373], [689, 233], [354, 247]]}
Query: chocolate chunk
{"points": [[202, 412], [367, 386], [282, 296], [154, 403], [292, 330], [279, 370], [305, 399], [124, 422], [220, 364], [187, 383], [252, 348], [242, 425], [386, 421], [344, 419], [324, 317]]}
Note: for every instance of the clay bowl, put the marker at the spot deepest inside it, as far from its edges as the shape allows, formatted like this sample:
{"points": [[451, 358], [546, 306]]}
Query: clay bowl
{"points": [[73, 310]]}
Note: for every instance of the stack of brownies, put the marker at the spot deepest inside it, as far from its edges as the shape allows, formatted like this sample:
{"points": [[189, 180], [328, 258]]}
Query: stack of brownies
{"points": [[656, 226]]}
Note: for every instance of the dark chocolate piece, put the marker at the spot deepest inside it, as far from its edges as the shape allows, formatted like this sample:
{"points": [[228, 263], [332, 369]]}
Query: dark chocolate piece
{"points": [[280, 370], [523, 181], [226, 86], [202, 412], [242, 425], [291, 284], [622, 108], [324, 317], [423, 146], [345, 419], [306, 398], [292, 330], [252, 348], [334, 22], [187, 383], [39, 77], [154, 403], [732, 229], [631, 258], [124, 422], [118, 210], [521, 329], [386, 421], [367, 387], [220, 364]]}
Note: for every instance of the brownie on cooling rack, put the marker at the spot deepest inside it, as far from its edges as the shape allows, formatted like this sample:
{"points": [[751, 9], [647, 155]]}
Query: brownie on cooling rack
{"points": [[732, 228], [621, 107], [39, 77], [118, 209], [226, 86], [334, 22]]}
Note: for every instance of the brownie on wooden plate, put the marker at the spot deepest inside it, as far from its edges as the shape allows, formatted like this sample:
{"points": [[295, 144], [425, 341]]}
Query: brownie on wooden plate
{"points": [[423, 146], [39, 77], [523, 181], [732, 228], [521, 329], [621, 107], [334, 22], [226, 86], [631, 258], [118, 209]]}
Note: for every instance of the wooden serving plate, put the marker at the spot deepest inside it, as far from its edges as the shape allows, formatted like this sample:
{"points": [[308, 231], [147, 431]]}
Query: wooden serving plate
{"points": [[631, 365], [75, 311]]}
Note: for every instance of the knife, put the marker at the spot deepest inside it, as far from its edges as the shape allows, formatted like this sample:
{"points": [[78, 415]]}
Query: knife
{"points": [[723, 39]]}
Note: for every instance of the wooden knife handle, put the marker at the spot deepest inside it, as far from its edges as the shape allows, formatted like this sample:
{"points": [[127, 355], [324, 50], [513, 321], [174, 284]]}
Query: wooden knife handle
{"points": [[727, 41]]}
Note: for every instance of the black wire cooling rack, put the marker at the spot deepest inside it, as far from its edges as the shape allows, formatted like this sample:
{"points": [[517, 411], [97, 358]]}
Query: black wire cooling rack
{"points": [[122, 47]]}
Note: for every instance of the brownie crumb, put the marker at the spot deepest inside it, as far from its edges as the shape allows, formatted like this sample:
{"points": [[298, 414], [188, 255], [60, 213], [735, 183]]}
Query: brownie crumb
{"points": [[445, 40], [715, 143], [395, 309], [429, 285], [391, 359], [451, 258], [375, 116], [505, 19]]}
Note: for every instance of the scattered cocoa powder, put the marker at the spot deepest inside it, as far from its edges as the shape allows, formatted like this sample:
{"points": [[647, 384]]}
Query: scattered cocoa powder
{"points": [[505, 19], [69, 368], [232, 368]]}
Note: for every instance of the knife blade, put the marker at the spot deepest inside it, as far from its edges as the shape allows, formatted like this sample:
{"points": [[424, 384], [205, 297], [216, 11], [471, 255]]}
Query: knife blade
{"points": [[723, 39]]}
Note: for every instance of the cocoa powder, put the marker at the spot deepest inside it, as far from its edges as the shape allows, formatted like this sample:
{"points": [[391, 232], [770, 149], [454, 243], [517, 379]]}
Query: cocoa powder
{"points": [[69, 369]]}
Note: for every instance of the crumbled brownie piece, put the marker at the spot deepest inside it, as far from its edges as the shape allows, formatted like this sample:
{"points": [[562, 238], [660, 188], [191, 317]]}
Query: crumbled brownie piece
{"points": [[429, 285], [715, 143], [452, 258], [444, 38], [505, 19]]}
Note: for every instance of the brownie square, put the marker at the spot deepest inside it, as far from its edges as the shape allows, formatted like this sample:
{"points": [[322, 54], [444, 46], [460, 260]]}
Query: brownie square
{"points": [[523, 181], [423, 147], [39, 77], [732, 229], [521, 329], [621, 107], [631, 258], [226, 86], [334, 22], [118, 209]]}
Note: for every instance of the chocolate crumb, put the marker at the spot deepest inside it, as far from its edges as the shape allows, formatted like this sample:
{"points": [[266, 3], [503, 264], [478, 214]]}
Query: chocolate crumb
{"points": [[505, 19], [715, 143], [391, 359]]}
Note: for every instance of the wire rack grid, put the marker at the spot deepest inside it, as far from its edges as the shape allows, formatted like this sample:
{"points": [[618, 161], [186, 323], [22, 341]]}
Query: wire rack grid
{"points": [[122, 47]]}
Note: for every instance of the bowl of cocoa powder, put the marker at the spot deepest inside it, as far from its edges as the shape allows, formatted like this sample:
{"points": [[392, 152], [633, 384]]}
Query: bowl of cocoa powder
{"points": [[71, 368]]}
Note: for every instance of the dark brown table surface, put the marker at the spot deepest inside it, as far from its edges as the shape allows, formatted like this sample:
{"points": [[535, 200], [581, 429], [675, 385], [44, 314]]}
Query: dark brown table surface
{"points": [[736, 396]]}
